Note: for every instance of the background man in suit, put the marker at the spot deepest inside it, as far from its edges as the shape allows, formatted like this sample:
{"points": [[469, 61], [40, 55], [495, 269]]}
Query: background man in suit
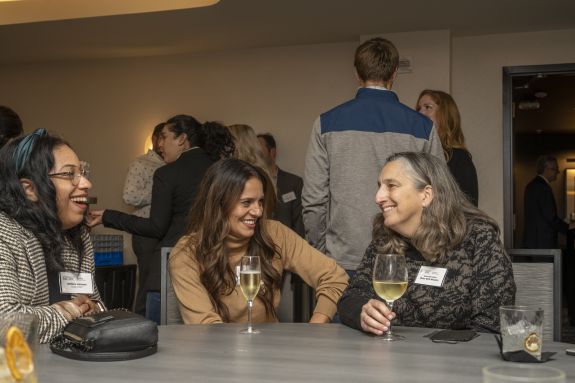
{"points": [[288, 185], [541, 221], [288, 211]]}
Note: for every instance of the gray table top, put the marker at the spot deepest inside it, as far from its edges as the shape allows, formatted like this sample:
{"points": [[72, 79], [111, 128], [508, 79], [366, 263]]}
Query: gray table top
{"points": [[292, 352]]}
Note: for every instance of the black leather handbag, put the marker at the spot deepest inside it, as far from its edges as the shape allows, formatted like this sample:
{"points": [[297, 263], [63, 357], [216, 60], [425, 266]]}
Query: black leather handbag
{"points": [[107, 336]]}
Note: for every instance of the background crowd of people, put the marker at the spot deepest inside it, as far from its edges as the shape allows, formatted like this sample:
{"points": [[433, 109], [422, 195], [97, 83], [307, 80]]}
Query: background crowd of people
{"points": [[215, 194]]}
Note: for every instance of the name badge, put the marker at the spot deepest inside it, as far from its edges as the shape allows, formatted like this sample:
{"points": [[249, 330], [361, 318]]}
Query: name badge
{"points": [[76, 283], [431, 276], [287, 197]]}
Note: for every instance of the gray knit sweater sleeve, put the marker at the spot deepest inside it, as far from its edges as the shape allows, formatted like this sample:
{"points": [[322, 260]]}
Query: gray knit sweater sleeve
{"points": [[315, 194]]}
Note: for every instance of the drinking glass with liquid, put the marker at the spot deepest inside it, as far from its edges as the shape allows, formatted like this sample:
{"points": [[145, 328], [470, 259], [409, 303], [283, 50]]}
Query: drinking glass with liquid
{"points": [[390, 283], [250, 281], [18, 337]]}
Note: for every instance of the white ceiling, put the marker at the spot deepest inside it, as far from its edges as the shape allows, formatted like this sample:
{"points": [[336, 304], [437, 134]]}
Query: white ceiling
{"points": [[240, 24], [29, 11]]}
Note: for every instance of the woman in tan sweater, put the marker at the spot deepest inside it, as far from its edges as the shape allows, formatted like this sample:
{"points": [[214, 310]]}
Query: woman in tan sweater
{"points": [[227, 221]]}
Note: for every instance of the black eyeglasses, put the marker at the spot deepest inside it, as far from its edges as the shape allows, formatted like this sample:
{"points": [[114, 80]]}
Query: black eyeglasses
{"points": [[74, 173]]}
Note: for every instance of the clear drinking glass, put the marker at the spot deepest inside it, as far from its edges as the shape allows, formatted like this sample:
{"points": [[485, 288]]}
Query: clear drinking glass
{"points": [[522, 329], [526, 373], [18, 338], [389, 283], [250, 280]]}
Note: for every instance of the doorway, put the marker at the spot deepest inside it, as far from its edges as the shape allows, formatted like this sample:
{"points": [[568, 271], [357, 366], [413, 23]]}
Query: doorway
{"points": [[538, 119]]}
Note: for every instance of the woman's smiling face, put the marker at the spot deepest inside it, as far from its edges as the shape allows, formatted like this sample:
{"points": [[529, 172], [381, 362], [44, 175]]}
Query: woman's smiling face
{"points": [[71, 200], [247, 211], [401, 203]]}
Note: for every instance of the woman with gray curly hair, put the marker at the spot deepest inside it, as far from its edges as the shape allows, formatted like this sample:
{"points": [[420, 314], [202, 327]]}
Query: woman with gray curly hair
{"points": [[427, 218]]}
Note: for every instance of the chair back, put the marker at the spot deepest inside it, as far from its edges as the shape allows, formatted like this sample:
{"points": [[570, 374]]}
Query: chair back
{"points": [[170, 311], [537, 274]]}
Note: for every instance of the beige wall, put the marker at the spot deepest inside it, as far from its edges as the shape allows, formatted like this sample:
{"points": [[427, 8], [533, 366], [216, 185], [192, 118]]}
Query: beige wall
{"points": [[476, 84], [107, 108], [430, 56]]}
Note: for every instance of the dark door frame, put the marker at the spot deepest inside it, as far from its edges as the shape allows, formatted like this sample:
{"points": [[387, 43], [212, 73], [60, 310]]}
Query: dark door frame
{"points": [[508, 144]]}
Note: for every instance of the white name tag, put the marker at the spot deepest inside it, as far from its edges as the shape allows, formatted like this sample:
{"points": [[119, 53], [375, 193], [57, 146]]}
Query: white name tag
{"points": [[76, 283], [431, 276], [287, 197]]}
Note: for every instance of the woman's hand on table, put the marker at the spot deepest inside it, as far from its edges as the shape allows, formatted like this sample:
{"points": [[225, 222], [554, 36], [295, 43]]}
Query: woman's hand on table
{"points": [[375, 317], [76, 307], [86, 305], [67, 309]]}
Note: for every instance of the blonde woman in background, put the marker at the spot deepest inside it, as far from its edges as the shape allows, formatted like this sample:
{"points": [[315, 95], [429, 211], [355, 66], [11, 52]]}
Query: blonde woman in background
{"points": [[442, 110], [248, 148]]}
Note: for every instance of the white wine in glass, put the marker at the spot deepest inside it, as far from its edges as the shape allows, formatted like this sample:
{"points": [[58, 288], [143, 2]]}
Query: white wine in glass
{"points": [[250, 283], [390, 291], [250, 280], [390, 283]]}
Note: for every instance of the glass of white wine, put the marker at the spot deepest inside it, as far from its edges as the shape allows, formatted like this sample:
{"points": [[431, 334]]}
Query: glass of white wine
{"points": [[389, 283], [250, 280]]}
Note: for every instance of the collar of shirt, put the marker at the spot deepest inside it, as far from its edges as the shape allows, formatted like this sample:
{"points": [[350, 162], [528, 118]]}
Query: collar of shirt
{"points": [[376, 87], [548, 183]]}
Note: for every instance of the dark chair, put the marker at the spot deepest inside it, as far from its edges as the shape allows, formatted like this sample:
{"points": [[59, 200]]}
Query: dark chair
{"points": [[169, 310], [117, 285]]}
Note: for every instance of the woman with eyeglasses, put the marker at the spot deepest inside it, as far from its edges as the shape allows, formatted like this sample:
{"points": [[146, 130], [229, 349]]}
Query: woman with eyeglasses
{"points": [[46, 255]]}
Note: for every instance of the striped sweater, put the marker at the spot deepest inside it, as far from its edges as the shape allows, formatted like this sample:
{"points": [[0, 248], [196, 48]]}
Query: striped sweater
{"points": [[23, 275]]}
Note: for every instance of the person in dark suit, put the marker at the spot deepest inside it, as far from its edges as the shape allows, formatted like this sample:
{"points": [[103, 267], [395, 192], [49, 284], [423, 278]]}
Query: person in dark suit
{"points": [[138, 193], [288, 185], [288, 210], [542, 224], [189, 149]]}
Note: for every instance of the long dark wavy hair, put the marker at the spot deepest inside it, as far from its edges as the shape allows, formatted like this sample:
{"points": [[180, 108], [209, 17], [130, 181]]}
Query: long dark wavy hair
{"points": [[444, 222], [211, 136], [209, 228], [41, 216]]}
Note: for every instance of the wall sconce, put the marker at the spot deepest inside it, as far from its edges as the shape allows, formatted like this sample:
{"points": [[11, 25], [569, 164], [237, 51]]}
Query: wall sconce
{"points": [[148, 144]]}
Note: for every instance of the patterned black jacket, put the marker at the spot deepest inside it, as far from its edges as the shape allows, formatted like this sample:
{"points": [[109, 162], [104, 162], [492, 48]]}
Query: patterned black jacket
{"points": [[479, 279]]}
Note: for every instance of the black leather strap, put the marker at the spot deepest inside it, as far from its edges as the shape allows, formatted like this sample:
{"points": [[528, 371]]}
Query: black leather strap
{"points": [[103, 356]]}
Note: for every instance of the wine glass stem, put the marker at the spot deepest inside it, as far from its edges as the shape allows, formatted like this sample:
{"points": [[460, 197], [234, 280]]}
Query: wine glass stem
{"points": [[390, 305], [250, 306]]}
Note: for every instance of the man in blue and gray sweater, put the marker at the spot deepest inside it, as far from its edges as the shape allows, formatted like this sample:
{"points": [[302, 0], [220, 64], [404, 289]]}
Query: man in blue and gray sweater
{"points": [[348, 148]]}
